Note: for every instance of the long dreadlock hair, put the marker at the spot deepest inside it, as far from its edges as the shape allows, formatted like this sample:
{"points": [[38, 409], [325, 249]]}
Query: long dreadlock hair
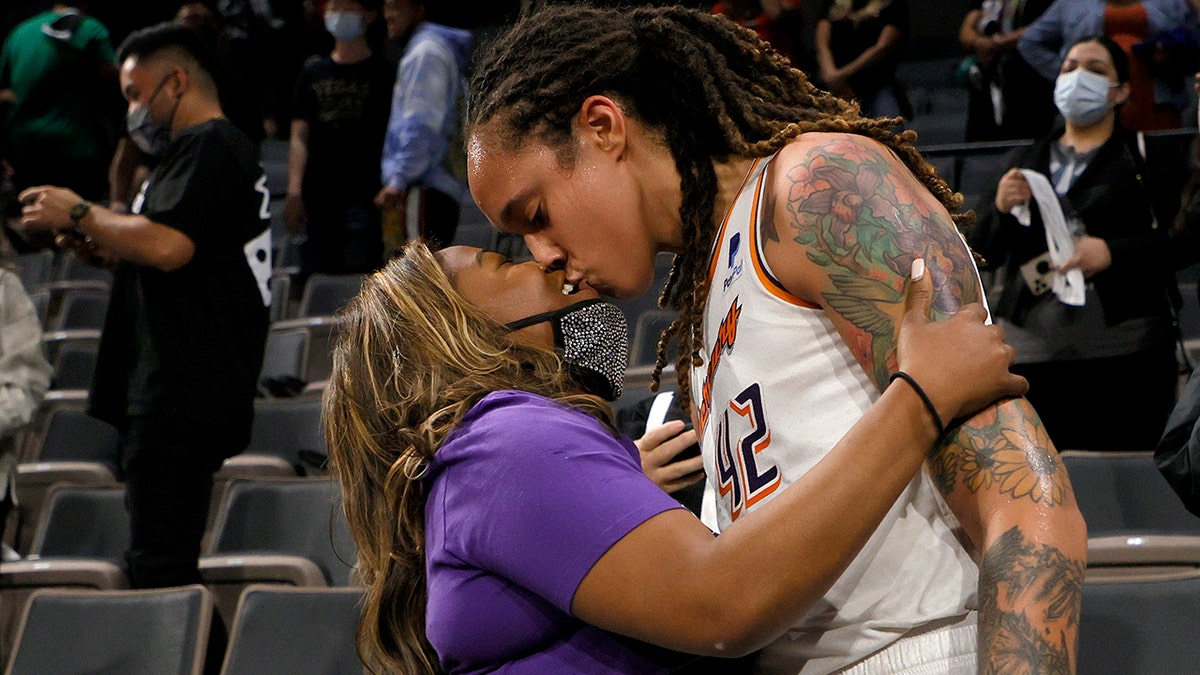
{"points": [[709, 88]]}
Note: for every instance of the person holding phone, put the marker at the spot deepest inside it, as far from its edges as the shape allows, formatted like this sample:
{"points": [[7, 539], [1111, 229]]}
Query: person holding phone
{"points": [[492, 501], [604, 137]]}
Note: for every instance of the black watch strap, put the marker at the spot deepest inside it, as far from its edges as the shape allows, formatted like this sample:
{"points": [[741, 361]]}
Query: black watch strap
{"points": [[79, 212]]}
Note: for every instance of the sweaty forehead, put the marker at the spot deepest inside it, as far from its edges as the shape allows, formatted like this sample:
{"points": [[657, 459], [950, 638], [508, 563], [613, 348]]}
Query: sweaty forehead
{"points": [[456, 259]]}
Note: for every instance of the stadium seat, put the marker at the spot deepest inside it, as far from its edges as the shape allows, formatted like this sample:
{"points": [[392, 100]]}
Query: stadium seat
{"points": [[285, 354], [287, 428], [299, 631], [73, 435], [1122, 494], [82, 522], [324, 294], [81, 308], [281, 296], [646, 333], [155, 632], [36, 480], [277, 531], [80, 542], [35, 268], [74, 448], [1143, 624], [74, 364]]}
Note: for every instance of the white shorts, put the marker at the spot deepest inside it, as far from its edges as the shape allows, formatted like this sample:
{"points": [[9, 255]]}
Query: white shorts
{"points": [[942, 648]]}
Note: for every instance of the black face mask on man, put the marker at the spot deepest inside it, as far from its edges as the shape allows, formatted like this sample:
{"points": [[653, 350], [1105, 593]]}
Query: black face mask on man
{"points": [[149, 136], [594, 339]]}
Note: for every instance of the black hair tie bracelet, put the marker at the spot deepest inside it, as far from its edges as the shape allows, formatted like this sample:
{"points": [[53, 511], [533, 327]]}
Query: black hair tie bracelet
{"points": [[937, 419]]}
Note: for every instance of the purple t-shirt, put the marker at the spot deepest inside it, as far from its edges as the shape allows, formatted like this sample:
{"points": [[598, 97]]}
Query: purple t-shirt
{"points": [[524, 497]]}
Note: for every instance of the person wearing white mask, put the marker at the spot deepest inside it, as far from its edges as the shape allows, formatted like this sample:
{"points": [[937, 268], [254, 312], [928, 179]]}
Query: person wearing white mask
{"points": [[1083, 361], [341, 114]]}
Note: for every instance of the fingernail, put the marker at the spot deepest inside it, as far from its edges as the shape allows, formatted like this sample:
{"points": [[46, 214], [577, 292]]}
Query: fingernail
{"points": [[918, 269]]}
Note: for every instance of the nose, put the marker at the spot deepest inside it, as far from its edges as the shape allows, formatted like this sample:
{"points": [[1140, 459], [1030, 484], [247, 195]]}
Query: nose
{"points": [[547, 253]]}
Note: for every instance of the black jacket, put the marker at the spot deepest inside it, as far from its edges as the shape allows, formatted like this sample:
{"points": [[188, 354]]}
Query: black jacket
{"points": [[1178, 453], [1113, 205]]}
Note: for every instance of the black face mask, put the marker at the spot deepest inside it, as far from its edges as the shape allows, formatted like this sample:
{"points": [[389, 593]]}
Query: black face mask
{"points": [[594, 339]]}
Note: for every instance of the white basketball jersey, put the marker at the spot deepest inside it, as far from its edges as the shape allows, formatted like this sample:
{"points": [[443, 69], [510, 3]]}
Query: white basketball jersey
{"points": [[777, 390]]}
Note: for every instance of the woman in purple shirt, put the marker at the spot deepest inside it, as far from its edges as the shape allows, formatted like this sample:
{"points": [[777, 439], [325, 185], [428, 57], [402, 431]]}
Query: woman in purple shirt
{"points": [[503, 526]]}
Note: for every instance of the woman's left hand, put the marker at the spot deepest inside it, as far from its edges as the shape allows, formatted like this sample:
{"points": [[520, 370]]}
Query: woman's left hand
{"points": [[659, 447], [1091, 257]]}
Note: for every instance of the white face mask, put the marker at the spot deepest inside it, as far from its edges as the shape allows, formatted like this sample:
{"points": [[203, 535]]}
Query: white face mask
{"points": [[345, 26], [1082, 96]]}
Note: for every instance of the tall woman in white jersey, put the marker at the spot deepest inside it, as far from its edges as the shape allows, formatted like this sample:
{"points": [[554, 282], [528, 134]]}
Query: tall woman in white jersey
{"points": [[604, 137]]}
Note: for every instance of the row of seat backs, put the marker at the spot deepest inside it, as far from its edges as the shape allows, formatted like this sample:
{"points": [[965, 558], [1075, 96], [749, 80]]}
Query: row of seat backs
{"points": [[289, 531], [277, 629], [281, 428], [1144, 625], [44, 270], [300, 517]]}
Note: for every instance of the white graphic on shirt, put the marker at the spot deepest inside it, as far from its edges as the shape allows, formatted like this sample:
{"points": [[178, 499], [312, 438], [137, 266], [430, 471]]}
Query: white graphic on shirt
{"points": [[258, 257], [264, 210]]}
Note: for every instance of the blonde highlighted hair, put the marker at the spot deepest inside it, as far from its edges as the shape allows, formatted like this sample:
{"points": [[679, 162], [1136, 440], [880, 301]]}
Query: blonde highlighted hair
{"points": [[412, 357]]}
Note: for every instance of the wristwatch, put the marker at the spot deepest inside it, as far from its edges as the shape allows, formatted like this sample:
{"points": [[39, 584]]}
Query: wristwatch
{"points": [[79, 212]]}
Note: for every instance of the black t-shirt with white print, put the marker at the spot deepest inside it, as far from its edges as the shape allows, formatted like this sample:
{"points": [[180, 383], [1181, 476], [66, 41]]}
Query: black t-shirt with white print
{"points": [[188, 344]]}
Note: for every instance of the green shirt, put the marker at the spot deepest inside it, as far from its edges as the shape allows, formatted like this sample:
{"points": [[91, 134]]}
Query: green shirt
{"points": [[58, 87]]}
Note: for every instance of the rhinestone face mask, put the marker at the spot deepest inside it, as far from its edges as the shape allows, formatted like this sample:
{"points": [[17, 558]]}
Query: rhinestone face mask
{"points": [[594, 339]]}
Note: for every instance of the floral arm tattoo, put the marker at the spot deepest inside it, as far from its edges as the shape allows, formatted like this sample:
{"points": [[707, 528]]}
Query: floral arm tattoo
{"points": [[862, 218]]}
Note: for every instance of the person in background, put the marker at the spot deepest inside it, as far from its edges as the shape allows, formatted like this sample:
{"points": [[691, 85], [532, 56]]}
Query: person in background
{"points": [[1177, 454], [130, 166], [1083, 354], [1008, 98], [24, 379], [182, 344], [423, 167], [57, 74], [1159, 37], [336, 139], [241, 105], [858, 44], [777, 22]]}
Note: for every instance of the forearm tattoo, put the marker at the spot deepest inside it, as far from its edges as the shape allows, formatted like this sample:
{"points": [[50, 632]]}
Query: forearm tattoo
{"points": [[1004, 448], [1018, 576]]}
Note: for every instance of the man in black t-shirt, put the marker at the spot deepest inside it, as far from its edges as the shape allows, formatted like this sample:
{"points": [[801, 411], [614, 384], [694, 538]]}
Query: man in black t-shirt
{"points": [[341, 115], [183, 340]]}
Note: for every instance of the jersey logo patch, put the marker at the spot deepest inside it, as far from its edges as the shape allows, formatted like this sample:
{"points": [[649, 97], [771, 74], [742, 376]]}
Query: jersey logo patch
{"points": [[734, 265], [726, 336]]}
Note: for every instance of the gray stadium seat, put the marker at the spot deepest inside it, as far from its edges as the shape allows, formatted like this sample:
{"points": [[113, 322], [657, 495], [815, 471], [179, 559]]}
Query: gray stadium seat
{"points": [[277, 531], [1122, 493], [324, 294], [157, 632], [1145, 624], [299, 631]]}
